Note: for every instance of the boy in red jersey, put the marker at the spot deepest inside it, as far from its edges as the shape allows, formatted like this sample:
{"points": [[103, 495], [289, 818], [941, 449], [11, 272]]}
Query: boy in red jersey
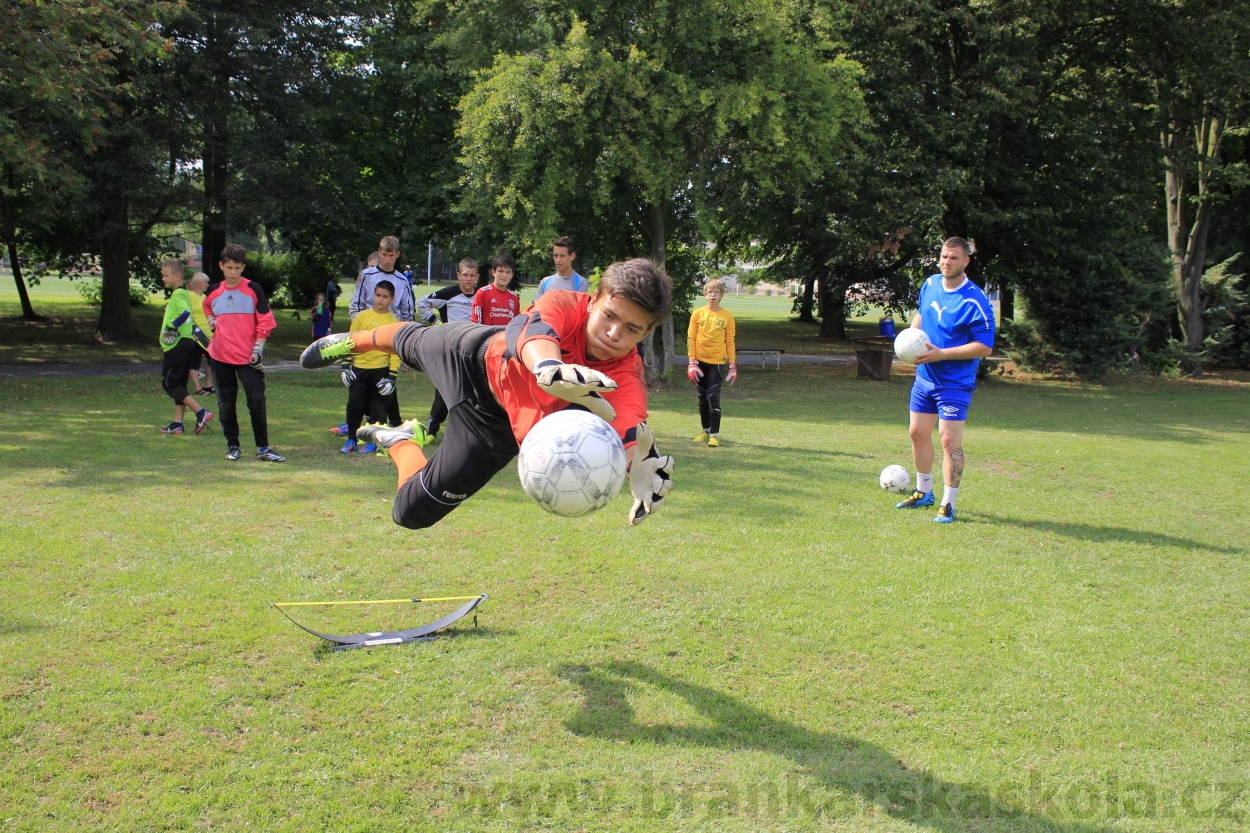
{"points": [[239, 314], [567, 349], [494, 304]]}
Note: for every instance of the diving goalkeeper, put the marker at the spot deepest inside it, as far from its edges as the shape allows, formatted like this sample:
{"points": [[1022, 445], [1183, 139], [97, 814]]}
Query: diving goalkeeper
{"points": [[566, 350]]}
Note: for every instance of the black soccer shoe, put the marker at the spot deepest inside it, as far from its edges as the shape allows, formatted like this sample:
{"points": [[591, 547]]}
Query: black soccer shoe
{"points": [[326, 350]]}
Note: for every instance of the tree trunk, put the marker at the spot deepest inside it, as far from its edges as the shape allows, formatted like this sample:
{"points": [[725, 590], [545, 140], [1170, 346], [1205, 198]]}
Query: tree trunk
{"points": [[216, 150], [115, 321], [1188, 241], [1006, 303], [28, 311], [832, 310], [659, 367], [808, 302]]}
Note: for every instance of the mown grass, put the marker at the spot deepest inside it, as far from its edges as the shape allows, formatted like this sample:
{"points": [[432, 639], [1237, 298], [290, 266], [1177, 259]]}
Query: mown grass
{"points": [[777, 649]]}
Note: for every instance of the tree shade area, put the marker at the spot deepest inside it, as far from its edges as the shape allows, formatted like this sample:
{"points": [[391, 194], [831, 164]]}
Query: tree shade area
{"points": [[1095, 151]]}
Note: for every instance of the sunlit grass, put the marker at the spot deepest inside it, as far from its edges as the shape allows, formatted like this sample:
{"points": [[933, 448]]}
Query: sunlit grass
{"points": [[777, 649]]}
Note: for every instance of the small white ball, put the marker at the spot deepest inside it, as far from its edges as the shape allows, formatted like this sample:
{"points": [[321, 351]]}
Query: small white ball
{"points": [[895, 479]]}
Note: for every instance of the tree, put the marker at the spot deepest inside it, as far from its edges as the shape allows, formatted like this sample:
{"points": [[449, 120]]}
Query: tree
{"points": [[1201, 82], [252, 75], [377, 150], [1013, 123], [58, 80], [624, 122]]}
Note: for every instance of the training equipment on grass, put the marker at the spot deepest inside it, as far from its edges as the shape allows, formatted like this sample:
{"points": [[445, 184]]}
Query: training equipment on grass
{"points": [[911, 343], [425, 633], [895, 479], [571, 463]]}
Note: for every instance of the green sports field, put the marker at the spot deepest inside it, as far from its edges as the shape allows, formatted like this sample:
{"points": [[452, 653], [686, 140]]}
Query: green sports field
{"points": [[777, 649]]}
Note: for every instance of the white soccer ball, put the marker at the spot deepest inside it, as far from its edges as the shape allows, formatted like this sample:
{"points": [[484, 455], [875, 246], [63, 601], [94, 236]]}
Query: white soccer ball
{"points": [[895, 479], [571, 463], [910, 343]]}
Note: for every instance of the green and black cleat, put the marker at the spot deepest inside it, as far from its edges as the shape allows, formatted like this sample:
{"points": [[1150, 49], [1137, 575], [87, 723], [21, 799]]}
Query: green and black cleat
{"points": [[326, 351]]}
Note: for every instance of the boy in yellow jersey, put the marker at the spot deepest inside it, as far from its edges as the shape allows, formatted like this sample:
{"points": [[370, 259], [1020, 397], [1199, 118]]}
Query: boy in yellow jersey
{"points": [[370, 377], [197, 287], [710, 344]]}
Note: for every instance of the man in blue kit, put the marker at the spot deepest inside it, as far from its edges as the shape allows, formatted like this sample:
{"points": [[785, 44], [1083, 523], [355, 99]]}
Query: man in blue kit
{"points": [[959, 322]]}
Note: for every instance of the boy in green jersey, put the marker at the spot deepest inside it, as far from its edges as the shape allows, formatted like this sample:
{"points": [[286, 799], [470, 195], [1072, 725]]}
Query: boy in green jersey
{"points": [[181, 345]]}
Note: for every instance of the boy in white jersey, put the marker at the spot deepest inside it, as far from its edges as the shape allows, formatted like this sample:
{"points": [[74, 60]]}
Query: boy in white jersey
{"points": [[957, 318]]}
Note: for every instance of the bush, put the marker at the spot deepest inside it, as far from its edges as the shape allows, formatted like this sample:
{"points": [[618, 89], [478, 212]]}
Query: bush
{"points": [[307, 273], [1094, 311], [91, 290], [290, 280], [1024, 344], [270, 271], [1227, 316]]}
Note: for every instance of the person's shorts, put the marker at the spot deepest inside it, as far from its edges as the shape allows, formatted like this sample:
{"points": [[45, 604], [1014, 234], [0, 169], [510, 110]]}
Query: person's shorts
{"points": [[950, 404], [176, 364]]}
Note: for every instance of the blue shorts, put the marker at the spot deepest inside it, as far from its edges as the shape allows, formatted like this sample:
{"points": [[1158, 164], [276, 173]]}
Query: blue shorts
{"points": [[949, 404]]}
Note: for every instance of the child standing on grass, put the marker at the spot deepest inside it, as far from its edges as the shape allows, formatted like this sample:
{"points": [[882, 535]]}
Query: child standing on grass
{"points": [[322, 317], [181, 352], [710, 343], [451, 304], [494, 303], [370, 377], [197, 287], [242, 322]]}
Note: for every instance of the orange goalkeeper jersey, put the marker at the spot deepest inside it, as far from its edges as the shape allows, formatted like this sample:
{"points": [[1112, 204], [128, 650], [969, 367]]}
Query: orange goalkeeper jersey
{"points": [[559, 316]]}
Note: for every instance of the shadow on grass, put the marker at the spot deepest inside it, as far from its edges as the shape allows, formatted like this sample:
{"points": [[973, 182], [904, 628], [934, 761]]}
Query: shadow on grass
{"points": [[834, 762], [10, 624], [1103, 534]]}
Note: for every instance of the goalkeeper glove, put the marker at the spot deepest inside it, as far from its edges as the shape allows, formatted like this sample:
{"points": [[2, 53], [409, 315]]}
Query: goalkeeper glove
{"points": [[258, 353], [347, 374], [169, 336], [733, 373], [386, 385], [212, 323], [693, 373], [576, 384], [650, 476], [201, 337]]}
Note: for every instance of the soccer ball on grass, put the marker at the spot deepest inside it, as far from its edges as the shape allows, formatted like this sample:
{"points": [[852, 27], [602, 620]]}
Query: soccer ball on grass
{"points": [[911, 343], [571, 463], [895, 479]]}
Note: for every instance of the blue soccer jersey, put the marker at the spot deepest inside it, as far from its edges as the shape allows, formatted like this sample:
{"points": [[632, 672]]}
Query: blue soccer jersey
{"points": [[952, 318]]}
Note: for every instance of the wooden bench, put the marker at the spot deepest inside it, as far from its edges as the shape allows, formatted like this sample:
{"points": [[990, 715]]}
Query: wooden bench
{"points": [[874, 355], [766, 354]]}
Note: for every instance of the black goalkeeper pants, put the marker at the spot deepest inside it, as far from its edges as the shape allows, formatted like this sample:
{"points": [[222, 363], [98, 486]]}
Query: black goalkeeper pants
{"points": [[229, 377], [477, 440], [364, 400], [709, 396]]}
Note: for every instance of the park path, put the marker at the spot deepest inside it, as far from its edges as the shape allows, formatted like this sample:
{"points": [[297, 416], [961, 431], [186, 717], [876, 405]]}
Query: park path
{"points": [[34, 371]]}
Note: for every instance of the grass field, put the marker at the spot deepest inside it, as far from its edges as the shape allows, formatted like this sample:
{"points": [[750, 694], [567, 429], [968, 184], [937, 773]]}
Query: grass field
{"points": [[777, 650]]}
